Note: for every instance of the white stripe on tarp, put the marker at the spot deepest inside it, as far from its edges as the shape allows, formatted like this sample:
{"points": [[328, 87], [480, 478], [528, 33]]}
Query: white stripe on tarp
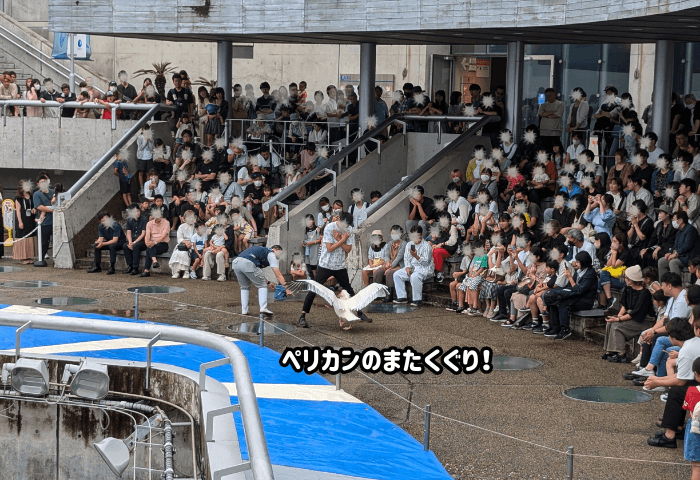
{"points": [[286, 391], [113, 344]]}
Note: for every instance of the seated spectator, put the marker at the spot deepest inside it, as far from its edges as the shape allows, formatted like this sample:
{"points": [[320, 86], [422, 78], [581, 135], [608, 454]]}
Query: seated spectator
{"points": [[198, 243], [694, 269], [600, 214], [297, 267], [156, 241], [519, 259], [615, 188], [689, 202], [242, 230], [532, 210], [552, 236], [687, 246], [420, 211], [498, 264], [636, 315], [444, 239], [686, 171], [661, 241], [579, 297], [484, 181], [661, 178], [651, 279], [458, 179], [458, 295], [111, 237], [216, 246], [535, 276], [161, 159], [640, 231], [180, 257], [643, 169], [159, 204], [154, 186], [578, 243], [135, 238], [473, 171], [635, 191], [253, 196], [684, 335], [219, 256], [468, 292], [396, 250], [229, 188], [563, 278], [374, 196], [377, 256], [544, 177], [418, 261]]}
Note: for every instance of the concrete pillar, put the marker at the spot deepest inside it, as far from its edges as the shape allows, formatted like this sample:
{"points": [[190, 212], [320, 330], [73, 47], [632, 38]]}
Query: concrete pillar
{"points": [[688, 80], [603, 75], [224, 71], [514, 88], [368, 68], [663, 78]]}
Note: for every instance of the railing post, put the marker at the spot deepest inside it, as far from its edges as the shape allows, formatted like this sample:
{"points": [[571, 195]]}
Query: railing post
{"points": [[570, 463], [40, 262], [347, 140], [136, 304], [337, 381], [18, 335], [439, 136], [262, 331], [148, 361], [114, 116], [4, 115], [60, 113], [426, 429]]}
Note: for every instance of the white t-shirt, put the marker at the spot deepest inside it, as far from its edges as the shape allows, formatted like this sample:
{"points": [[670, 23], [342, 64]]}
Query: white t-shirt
{"points": [[686, 356], [359, 214], [575, 151], [678, 307], [654, 156]]}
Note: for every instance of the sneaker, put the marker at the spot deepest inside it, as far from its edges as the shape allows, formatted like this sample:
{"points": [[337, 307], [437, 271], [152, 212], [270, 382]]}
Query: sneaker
{"points": [[401, 301], [551, 333], [465, 311], [156, 265], [222, 278], [498, 319], [206, 278], [453, 307], [440, 277], [193, 275], [460, 310], [176, 274], [663, 397], [302, 321], [643, 372], [538, 330], [416, 303], [611, 303], [530, 326], [265, 311], [564, 333], [655, 389]]}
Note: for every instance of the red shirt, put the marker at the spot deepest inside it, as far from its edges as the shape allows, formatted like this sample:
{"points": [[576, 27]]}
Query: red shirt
{"points": [[692, 397]]}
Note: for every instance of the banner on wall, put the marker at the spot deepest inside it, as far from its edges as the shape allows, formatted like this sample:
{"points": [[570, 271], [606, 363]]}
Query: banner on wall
{"points": [[62, 47]]}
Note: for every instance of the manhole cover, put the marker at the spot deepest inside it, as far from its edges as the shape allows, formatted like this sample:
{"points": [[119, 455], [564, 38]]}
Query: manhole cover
{"points": [[11, 269], [607, 395], [157, 289], [501, 362], [29, 284], [387, 308], [66, 301], [254, 328]]}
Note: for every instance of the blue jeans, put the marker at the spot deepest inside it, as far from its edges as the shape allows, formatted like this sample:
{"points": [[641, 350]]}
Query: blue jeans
{"points": [[606, 278], [658, 357]]}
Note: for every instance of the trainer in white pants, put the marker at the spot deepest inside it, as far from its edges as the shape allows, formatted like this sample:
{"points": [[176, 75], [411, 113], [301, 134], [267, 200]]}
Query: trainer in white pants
{"points": [[220, 264], [248, 269], [416, 278]]}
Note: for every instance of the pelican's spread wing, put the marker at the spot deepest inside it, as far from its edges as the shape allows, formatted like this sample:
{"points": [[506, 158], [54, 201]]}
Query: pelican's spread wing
{"points": [[366, 296], [326, 293]]}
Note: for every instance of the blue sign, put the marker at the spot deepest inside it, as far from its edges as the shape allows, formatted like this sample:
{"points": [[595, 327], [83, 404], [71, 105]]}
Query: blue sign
{"points": [[540, 98], [344, 78], [60, 46]]}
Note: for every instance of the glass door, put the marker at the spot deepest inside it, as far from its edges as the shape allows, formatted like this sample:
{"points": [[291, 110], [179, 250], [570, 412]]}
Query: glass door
{"points": [[538, 74], [443, 68]]}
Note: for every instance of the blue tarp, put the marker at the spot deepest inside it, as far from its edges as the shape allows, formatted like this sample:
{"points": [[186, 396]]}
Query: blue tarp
{"points": [[60, 46]]}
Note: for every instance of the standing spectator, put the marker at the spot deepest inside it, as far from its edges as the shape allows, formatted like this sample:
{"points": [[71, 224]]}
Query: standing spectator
{"points": [[266, 104], [577, 121], [144, 152], [121, 170], [43, 201], [49, 94], [156, 240], [239, 111], [201, 114], [24, 249], [381, 111], [66, 96], [217, 113], [154, 186], [9, 91], [111, 237], [33, 93], [551, 113], [180, 97]]}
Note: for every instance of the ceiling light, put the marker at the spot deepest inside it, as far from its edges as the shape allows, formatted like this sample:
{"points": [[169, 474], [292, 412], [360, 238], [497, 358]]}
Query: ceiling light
{"points": [[29, 377], [90, 380]]}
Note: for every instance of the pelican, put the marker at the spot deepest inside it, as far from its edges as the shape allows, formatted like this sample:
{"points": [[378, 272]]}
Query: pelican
{"points": [[343, 304]]}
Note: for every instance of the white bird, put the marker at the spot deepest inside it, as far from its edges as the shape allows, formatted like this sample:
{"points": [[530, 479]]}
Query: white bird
{"points": [[343, 304]]}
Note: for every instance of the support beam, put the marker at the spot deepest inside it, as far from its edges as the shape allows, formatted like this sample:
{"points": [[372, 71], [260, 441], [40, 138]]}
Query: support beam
{"points": [[663, 78], [514, 87], [368, 67], [224, 70]]}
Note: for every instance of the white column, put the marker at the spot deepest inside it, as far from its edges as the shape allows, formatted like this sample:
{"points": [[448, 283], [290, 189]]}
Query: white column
{"points": [[368, 68], [514, 87]]}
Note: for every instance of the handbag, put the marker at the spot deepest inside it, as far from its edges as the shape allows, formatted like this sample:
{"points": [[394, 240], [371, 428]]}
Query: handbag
{"points": [[182, 247], [615, 272]]}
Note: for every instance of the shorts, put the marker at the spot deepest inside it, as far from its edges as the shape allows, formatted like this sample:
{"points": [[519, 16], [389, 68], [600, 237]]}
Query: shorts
{"points": [[146, 165], [194, 256], [124, 186]]}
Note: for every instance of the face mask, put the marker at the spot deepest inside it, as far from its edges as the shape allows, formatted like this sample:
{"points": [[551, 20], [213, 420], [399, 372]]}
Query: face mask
{"points": [[485, 178], [455, 179], [337, 211], [689, 106], [325, 208], [675, 224], [257, 183], [493, 179], [576, 142], [395, 236], [37, 88]]}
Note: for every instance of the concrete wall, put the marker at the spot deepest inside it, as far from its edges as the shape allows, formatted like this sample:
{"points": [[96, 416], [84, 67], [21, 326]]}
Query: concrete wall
{"points": [[367, 174], [434, 181], [70, 219], [422, 147], [38, 143]]}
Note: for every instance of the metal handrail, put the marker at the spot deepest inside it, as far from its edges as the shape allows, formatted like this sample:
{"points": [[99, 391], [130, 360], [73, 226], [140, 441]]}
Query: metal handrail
{"points": [[330, 162], [53, 67], [250, 413], [420, 171]]}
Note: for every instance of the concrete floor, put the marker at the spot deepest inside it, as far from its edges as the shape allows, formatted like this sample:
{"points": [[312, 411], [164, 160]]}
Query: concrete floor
{"points": [[528, 405]]}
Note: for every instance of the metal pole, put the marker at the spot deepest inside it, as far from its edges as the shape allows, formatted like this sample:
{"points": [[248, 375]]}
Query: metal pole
{"points": [[688, 83], [426, 429], [71, 76], [514, 87], [148, 360], [663, 76], [347, 140], [368, 69], [40, 261], [136, 304], [337, 381], [224, 69], [262, 331], [570, 463], [603, 79]]}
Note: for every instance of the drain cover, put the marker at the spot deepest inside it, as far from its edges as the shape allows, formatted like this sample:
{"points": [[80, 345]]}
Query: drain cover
{"points": [[501, 362], [66, 301], [607, 395], [157, 289], [11, 269], [29, 284], [254, 328], [387, 308]]}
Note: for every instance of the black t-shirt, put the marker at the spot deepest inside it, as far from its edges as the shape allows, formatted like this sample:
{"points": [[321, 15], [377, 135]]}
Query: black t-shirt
{"points": [[257, 195], [353, 110], [206, 169], [265, 104], [646, 225], [492, 127], [128, 92], [181, 100], [644, 174], [68, 112], [190, 207], [565, 218], [428, 208], [637, 303], [136, 226]]}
